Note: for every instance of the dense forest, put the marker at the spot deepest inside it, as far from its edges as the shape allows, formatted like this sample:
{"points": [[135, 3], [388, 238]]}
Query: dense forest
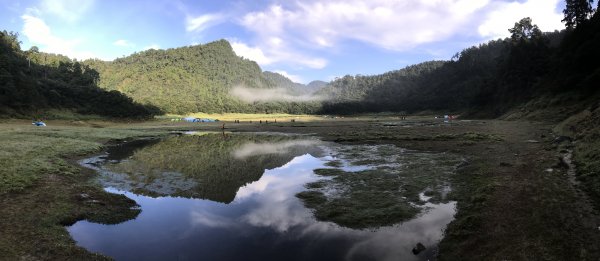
{"points": [[32, 82], [486, 80], [195, 78]]}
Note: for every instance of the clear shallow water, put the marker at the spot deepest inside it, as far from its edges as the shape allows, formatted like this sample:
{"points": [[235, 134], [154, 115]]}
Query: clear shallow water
{"points": [[263, 220]]}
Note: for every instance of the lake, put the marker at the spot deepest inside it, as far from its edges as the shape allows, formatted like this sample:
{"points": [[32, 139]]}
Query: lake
{"points": [[271, 196]]}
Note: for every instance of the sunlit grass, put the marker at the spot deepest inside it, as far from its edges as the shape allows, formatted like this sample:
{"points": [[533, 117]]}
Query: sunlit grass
{"points": [[28, 153], [245, 116]]}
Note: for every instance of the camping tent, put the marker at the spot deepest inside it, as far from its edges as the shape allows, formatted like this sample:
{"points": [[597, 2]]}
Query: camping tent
{"points": [[192, 119]]}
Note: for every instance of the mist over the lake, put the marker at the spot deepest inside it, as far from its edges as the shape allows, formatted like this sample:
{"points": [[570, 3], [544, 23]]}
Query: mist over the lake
{"points": [[271, 95]]}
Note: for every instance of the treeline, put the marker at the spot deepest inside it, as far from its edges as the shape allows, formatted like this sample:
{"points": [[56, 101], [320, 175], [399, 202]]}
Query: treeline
{"points": [[32, 82], [486, 80], [194, 79]]}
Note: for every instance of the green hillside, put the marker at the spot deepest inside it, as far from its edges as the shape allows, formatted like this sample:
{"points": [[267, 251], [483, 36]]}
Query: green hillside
{"points": [[31, 83], [191, 79]]}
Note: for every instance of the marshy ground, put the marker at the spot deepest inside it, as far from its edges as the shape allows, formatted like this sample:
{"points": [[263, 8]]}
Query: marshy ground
{"points": [[516, 200]]}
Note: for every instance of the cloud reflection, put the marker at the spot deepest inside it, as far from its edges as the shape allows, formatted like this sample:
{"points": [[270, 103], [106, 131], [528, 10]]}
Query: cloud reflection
{"points": [[254, 149]]}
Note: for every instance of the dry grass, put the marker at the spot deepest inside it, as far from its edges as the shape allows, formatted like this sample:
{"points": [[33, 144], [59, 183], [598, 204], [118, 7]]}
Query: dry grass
{"points": [[246, 117]]}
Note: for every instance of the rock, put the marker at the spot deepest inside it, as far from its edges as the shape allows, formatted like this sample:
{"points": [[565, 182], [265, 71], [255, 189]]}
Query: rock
{"points": [[418, 248], [561, 139]]}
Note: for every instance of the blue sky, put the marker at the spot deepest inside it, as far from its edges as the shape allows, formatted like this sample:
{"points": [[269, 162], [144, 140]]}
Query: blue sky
{"points": [[304, 40]]}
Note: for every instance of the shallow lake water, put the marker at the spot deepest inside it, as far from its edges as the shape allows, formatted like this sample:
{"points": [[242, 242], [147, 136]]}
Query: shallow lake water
{"points": [[224, 196]]}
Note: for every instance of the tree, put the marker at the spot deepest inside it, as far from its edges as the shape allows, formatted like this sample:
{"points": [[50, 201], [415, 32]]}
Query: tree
{"points": [[576, 12], [524, 31]]}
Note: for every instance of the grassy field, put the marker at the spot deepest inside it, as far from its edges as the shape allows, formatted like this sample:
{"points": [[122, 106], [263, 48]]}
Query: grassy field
{"points": [[245, 117]]}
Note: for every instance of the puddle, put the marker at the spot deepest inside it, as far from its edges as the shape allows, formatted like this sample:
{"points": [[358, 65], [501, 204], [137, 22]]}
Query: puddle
{"points": [[232, 196]]}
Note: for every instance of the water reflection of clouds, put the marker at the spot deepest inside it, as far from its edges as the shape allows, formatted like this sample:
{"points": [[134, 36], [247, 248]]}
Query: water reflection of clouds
{"points": [[204, 218], [254, 149], [281, 211], [297, 171], [277, 207], [400, 239], [265, 206]]}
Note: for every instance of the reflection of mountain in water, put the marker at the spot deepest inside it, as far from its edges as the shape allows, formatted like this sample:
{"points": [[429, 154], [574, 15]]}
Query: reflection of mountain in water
{"points": [[210, 166]]}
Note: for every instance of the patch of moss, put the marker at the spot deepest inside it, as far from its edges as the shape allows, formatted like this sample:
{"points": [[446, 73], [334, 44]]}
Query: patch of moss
{"points": [[334, 163], [328, 172], [316, 185], [312, 199]]}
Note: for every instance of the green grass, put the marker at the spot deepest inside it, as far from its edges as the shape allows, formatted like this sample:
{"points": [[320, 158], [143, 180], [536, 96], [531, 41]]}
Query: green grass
{"points": [[245, 116], [584, 127], [28, 153]]}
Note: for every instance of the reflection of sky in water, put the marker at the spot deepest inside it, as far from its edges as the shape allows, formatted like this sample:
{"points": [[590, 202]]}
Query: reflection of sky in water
{"points": [[264, 222]]}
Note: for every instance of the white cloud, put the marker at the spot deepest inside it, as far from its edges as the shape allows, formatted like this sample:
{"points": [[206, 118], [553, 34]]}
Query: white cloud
{"points": [[394, 25], [276, 52], [252, 53], [69, 10], [123, 43], [504, 15], [39, 33], [293, 77], [200, 23], [298, 32]]}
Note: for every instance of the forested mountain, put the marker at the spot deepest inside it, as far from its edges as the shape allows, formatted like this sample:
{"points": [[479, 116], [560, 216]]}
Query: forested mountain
{"points": [[281, 81], [193, 79], [485, 80], [347, 92], [33, 82], [315, 86]]}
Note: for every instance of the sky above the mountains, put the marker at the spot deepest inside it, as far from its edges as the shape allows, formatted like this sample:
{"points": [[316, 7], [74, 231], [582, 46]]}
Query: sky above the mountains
{"points": [[304, 40]]}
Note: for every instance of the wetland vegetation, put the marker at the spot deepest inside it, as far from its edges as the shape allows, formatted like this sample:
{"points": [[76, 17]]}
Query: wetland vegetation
{"points": [[379, 185]]}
